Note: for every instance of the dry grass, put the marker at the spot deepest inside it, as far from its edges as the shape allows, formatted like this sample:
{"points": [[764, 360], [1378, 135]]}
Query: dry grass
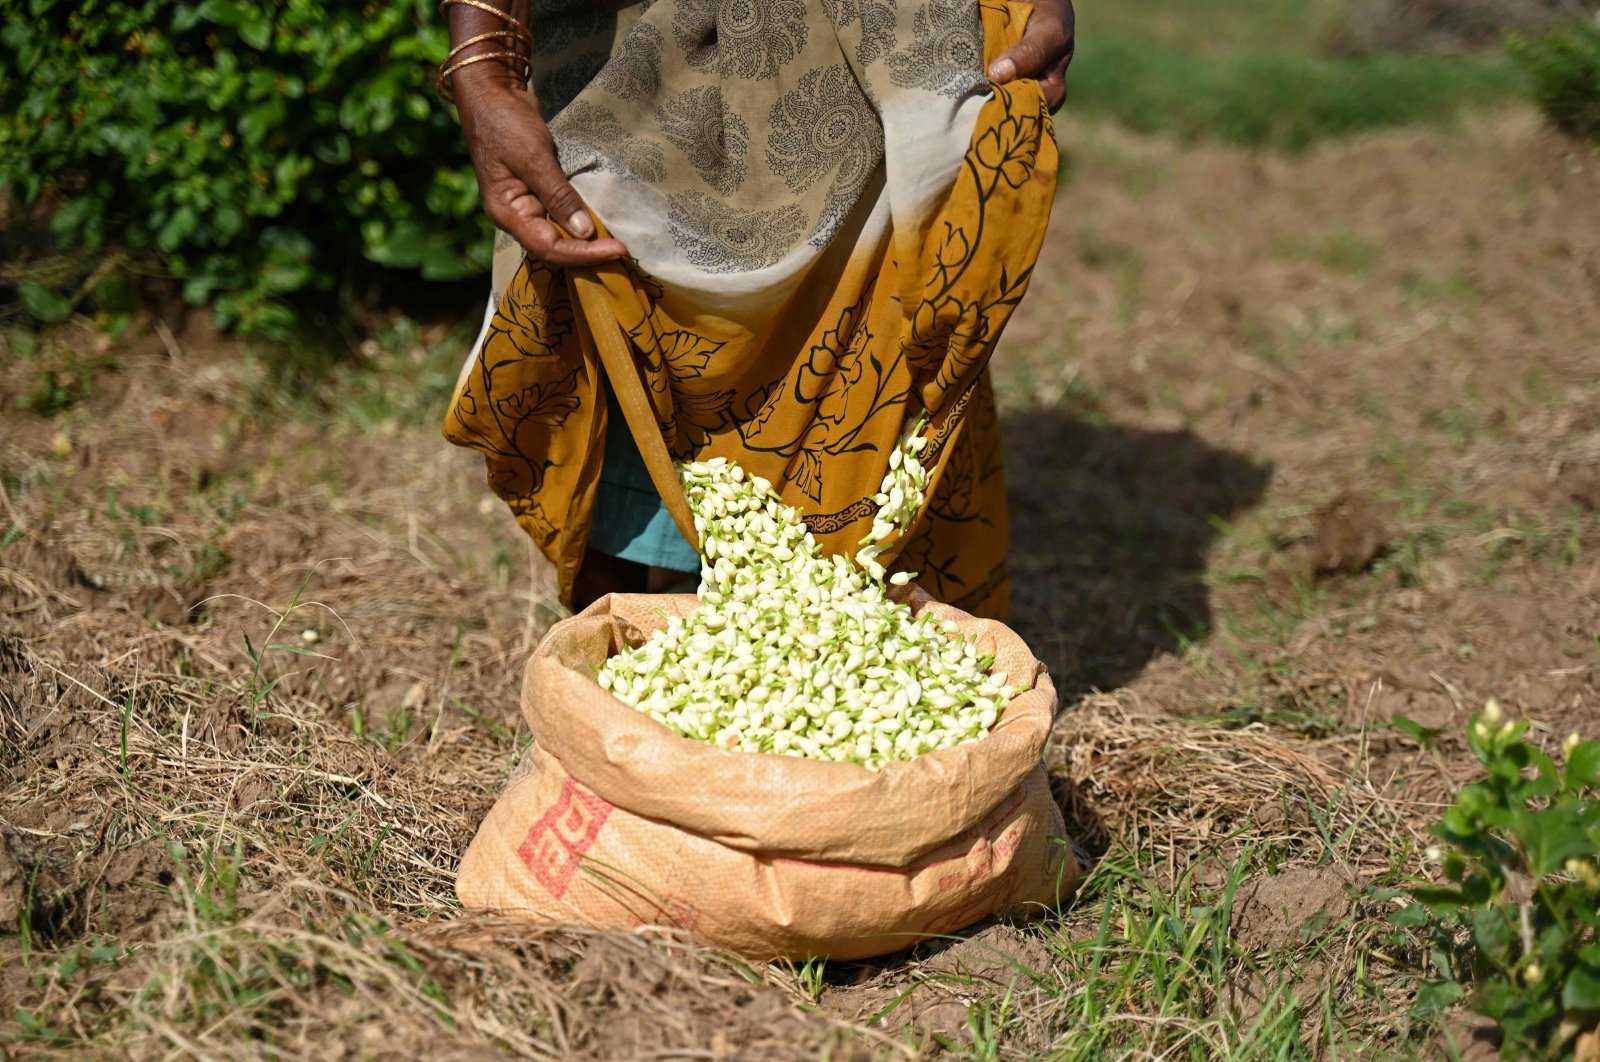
{"points": [[208, 855], [224, 836]]}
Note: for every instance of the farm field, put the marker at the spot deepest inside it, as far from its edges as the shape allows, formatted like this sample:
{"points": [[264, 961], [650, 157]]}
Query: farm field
{"points": [[1302, 440]]}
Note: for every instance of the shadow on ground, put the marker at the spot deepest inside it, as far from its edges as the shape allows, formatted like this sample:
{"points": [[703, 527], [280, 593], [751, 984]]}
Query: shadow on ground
{"points": [[1110, 527]]}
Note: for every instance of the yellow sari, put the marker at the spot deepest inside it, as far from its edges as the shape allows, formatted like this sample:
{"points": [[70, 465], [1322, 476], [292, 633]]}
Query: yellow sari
{"points": [[817, 258]]}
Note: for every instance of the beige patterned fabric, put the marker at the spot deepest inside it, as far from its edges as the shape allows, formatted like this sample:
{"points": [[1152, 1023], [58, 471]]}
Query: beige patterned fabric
{"points": [[728, 142], [830, 213]]}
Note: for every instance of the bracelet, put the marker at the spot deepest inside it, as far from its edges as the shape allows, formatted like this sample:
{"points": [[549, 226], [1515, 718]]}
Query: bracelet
{"points": [[521, 62], [479, 39], [504, 16], [521, 67]]}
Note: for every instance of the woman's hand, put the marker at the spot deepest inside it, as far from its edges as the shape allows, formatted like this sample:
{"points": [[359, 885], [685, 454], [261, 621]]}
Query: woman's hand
{"points": [[1043, 53], [523, 187]]}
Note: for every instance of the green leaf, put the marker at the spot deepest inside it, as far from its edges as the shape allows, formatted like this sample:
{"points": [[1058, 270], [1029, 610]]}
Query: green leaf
{"points": [[42, 303], [1582, 988], [406, 244], [256, 123], [1583, 765], [179, 227], [1422, 735], [74, 216], [1434, 997], [224, 12], [1553, 836], [257, 33], [1438, 899], [299, 650], [1495, 997], [1409, 916], [1495, 936]]}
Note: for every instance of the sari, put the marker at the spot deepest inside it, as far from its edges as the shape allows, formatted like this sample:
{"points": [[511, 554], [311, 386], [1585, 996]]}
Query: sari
{"points": [[830, 214]]}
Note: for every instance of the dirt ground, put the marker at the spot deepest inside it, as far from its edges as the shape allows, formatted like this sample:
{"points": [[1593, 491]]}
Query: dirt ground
{"points": [[1355, 395], [1297, 445]]}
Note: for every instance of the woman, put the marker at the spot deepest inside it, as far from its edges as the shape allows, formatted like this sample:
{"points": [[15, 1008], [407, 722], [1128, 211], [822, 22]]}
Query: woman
{"points": [[774, 230]]}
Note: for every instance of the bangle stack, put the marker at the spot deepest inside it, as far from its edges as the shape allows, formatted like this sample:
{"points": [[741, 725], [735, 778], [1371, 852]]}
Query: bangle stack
{"points": [[517, 53]]}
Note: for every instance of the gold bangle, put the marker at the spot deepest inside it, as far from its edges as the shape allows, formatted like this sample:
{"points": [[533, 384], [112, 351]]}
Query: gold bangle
{"points": [[522, 68], [504, 16], [479, 39]]}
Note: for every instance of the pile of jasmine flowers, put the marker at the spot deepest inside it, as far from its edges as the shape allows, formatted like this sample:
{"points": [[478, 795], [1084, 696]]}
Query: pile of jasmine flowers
{"points": [[800, 654]]}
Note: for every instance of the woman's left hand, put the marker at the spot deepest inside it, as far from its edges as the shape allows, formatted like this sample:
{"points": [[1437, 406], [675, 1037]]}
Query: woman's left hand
{"points": [[1043, 53]]}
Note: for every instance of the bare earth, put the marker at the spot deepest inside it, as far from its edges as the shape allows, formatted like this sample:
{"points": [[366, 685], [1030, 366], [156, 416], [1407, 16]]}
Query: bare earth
{"points": [[1297, 445]]}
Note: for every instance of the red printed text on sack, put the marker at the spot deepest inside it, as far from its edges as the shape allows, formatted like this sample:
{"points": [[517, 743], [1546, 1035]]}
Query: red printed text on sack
{"points": [[553, 849]]}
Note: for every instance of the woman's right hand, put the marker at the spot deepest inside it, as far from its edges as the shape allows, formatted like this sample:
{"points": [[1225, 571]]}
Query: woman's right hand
{"points": [[519, 177]]}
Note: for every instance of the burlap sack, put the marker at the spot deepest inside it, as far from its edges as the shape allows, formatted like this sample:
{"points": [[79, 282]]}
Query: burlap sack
{"points": [[612, 820]]}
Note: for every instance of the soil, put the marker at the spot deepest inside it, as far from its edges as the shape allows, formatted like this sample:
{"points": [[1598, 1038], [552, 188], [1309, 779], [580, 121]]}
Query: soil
{"points": [[1299, 398], [932, 996], [1283, 910], [1297, 445], [1286, 913]]}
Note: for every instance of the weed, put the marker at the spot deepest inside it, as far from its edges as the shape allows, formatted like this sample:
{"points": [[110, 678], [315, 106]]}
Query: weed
{"points": [[253, 684], [986, 1026], [1404, 461], [1564, 67], [1455, 421], [1539, 387], [1560, 542], [1408, 555], [812, 976], [1453, 287], [1157, 974], [64, 380], [1513, 927], [1339, 251], [1287, 710]]}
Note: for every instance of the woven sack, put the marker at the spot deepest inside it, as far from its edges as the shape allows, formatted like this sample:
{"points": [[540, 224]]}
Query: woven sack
{"points": [[612, 820]]}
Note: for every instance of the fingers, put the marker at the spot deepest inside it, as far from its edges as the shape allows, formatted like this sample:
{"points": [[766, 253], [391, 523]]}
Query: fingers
{"points": [[1044, 50], [1055, 90], [520, 214], [525, 192], [534, 162]]}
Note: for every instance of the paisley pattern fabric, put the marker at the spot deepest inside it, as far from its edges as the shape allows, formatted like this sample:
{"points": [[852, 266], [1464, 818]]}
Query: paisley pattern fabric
{"points": [[831, 215]]}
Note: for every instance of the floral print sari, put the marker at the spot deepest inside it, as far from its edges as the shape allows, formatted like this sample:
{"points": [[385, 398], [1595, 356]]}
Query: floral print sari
{"points": [[831, 214]]}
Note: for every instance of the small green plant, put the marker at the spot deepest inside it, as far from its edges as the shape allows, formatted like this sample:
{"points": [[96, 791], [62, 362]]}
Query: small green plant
{"points": [[813, 977], [1513, 926], [1564, 68]]}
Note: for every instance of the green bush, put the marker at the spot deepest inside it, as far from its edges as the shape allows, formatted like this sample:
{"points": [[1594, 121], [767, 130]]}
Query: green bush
{"points": [[262, 152], [1514, 925], [1564, 66]]}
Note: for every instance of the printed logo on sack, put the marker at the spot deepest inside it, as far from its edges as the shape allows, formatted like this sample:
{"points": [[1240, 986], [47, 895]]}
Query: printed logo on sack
{"points": [[554, 847], [979, 905]]}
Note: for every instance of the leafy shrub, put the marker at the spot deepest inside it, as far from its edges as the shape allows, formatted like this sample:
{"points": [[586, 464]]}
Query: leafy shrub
{"points": [[261, 151], [1514, 929], [1564, 66]]}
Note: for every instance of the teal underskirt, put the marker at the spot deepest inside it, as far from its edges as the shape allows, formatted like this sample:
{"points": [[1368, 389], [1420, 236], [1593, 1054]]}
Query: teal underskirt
{"points": [[630, 519]]}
